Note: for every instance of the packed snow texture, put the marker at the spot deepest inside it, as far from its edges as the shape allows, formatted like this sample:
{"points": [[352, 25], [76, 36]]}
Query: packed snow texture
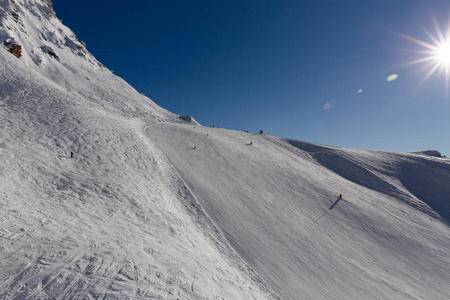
{"points": [[277, 202], [116, 221], [156, 206]]}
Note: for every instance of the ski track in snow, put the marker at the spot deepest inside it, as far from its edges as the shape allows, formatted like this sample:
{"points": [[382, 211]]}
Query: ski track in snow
{"points": [[108, 224], [267, 199], [152, 208]]}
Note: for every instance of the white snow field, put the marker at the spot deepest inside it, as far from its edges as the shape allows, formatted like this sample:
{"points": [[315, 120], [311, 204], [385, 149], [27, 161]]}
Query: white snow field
{"points": [[277, 203], [156, 206]]}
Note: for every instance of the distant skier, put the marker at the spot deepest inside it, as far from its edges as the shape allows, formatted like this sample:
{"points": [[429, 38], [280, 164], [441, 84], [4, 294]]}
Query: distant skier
{"points": [[340, 196], [251, 143], [71, 154]]}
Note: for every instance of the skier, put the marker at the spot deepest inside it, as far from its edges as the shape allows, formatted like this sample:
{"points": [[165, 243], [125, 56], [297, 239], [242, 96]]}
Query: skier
{"points": [[71, 154], [340, 196]]}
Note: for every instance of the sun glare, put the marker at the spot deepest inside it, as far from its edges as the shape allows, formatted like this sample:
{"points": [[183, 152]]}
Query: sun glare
{"points": [[436, 54], [442, 54]]}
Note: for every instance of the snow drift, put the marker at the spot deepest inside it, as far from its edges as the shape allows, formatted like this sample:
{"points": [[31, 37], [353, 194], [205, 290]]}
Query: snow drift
{"points": [[156, 206]]}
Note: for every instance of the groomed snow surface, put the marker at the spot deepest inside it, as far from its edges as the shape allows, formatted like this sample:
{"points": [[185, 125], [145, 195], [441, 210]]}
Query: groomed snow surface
{"points": [[277, 202], [154, 206]]}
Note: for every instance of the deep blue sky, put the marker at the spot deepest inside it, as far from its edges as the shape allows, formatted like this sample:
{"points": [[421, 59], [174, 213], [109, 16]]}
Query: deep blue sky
{"points": [[291, 68]]}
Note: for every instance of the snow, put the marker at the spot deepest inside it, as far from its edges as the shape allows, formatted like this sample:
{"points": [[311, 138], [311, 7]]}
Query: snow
{"points": [[278, 206], [154, 205]]}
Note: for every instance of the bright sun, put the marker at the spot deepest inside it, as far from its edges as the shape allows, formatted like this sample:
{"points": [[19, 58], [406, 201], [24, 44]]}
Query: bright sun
{"points": [[442, 54], [436, 55]]}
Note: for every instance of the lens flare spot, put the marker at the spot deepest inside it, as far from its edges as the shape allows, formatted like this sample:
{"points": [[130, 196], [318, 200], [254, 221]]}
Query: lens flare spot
{"points": [[330, 104], [392, 77]]}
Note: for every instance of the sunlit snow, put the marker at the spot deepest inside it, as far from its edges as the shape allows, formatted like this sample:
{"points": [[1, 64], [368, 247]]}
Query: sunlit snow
{"points": [[153, 205]]}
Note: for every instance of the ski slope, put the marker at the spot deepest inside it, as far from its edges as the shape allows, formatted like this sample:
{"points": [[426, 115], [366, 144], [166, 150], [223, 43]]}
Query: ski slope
{"points": [[278, 206], [139, 214], [115, 222]]}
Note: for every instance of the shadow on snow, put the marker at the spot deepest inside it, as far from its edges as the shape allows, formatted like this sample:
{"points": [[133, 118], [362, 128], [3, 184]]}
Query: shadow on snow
{"points": [[427, 180]]}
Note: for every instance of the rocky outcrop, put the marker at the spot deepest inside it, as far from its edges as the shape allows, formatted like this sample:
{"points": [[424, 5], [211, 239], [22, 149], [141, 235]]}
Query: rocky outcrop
{"points": [[13, 48]]}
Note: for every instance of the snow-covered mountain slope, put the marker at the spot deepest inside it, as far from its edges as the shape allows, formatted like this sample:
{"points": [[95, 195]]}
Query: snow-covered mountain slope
{"points": [[116, 221], [277, 201], [138, 213]]}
